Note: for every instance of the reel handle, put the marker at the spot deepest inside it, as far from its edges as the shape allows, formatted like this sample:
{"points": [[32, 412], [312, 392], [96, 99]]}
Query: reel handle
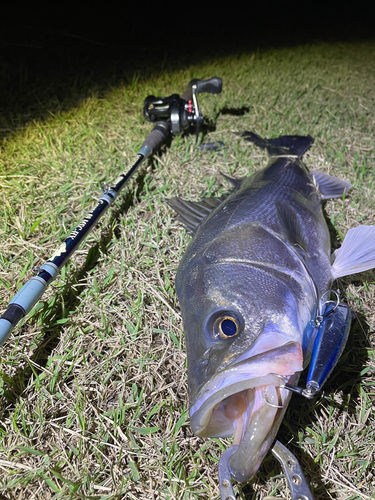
{"points": [[213, 85]]}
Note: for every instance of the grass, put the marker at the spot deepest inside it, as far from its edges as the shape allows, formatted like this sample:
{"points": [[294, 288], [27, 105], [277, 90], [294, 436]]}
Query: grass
{"points": [[93, 389]]}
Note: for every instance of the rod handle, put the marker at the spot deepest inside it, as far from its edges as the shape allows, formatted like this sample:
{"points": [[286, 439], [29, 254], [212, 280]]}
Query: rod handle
{"points": [[155, 138], [20, 305]]}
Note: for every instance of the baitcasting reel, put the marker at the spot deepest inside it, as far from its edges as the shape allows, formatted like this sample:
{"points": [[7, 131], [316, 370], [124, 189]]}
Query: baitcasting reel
{"points": [[181, 112]]}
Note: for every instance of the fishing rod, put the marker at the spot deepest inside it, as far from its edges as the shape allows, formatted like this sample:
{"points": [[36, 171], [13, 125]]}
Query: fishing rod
{"points": [[173, 115]]}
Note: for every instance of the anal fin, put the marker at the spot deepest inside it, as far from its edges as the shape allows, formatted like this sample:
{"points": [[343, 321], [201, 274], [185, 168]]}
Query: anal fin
{"points": [[329, 186]]}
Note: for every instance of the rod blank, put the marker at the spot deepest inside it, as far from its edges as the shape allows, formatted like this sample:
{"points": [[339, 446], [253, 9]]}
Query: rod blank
{"points": [[31, 292]]}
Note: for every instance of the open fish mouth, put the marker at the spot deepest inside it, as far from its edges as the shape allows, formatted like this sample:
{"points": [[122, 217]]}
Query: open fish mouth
{"points": [[247, 401]]}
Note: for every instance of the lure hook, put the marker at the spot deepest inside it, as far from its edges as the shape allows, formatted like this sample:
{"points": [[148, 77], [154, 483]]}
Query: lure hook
{"points": [[225, 476], [266, 400], [324, 306], [292, 469]]}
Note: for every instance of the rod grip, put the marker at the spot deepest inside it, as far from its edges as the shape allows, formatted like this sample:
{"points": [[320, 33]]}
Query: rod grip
{"points": [[155, 138], [24, 300], [6, 328]]}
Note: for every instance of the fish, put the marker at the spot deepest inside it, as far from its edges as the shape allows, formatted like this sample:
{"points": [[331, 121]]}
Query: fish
{"points": [[250, 286]]}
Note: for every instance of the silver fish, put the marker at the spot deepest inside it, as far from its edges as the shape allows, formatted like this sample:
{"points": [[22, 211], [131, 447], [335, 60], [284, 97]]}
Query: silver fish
{"points": [[250, 286]]}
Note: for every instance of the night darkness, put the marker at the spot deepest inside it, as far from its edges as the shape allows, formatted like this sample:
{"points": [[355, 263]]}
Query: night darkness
{"points": [[140, 33], [44, 48]]}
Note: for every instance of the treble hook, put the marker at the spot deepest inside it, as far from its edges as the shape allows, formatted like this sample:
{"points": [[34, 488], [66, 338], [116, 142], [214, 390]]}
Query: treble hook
{"points": [[324, 306], [225, 476], [292, 470]]}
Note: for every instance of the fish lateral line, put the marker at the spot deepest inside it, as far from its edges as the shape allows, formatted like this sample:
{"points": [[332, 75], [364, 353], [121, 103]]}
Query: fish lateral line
{"points": [[258, 264]]}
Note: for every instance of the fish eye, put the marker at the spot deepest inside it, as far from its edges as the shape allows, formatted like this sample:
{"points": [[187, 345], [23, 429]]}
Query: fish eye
{"points": [[226, 326]]}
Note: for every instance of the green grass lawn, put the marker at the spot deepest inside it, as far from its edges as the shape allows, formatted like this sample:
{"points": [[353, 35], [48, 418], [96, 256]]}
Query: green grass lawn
{"points": [[93, 393]]}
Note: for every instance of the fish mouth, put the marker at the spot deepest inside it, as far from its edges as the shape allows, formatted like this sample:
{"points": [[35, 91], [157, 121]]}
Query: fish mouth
{"points": [[248, 401]]}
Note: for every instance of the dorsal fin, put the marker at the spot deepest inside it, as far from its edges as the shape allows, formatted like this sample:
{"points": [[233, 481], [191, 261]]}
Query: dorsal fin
{"points": [[329, 186], [292, 145], [291, 226], [192, 213]]}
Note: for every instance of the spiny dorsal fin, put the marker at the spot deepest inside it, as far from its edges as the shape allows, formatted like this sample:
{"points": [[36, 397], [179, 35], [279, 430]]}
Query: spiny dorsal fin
{"points": [[192, 213], [329, 186], [291, 226], [292, 145]]}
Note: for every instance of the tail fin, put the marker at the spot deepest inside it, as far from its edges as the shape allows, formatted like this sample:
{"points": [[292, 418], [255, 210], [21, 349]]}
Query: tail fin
{"points": [[357, 252], [295, 145]]}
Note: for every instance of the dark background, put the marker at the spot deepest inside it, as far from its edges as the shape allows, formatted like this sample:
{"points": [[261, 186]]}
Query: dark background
{"points": [[54, 54], [175, 28], [130, 29]]}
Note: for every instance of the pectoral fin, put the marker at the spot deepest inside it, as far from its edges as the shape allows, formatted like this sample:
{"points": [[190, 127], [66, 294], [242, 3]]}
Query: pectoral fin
{"points": [[235, 181], [291, 226]]}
